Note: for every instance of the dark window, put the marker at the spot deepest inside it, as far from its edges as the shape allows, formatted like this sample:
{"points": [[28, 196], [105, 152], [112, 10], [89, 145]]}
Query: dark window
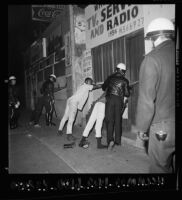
{"points": [[43, 64], [106, 57], [97, 64], [40, 76], [47, 72], [59, 68]]}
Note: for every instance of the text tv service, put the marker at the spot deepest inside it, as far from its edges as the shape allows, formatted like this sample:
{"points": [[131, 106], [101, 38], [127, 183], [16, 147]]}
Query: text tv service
{"points": [[108, 22]]}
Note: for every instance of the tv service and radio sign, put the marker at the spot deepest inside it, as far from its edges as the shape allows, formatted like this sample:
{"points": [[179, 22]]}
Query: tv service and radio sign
{"points": [[46, 12], [108, 22]]}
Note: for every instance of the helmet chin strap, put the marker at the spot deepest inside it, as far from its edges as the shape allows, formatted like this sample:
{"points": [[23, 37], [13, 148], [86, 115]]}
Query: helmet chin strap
{"points": [[159, 41]]}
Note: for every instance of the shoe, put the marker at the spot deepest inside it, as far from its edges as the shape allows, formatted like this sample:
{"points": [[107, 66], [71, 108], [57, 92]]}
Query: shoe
{"points": [[111, 146], [118, 144], [70, 137], [37, 126], [84, 143], [100, 145], [60, 132], [52, 124]]}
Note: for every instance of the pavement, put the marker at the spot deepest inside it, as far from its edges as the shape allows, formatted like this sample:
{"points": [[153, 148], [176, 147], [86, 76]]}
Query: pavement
{"points": [[40, 150]]}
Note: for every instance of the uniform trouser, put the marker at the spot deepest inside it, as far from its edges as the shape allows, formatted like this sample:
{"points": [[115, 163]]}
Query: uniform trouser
{"points": [[113, 118], [43, 101], [161, 153], [97, 116], [13, 116], [69, 114]]}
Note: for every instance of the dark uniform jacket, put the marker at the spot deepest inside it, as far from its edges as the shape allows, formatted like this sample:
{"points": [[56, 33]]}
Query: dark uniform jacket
{"points": [[156, 101], [48, 88], [116, 84], [13, 94]]}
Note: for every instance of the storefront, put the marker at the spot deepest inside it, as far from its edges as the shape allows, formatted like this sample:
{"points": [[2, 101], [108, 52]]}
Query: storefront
{"points": [[114, 34], [90, 42], [59, 51]]}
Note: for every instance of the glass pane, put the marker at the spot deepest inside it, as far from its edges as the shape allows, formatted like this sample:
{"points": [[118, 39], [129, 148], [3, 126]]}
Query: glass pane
{"points": [[47, 72], [59, 68]]}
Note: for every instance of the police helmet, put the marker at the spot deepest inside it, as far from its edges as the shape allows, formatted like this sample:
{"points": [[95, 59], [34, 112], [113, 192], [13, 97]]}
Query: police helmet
{"points": [[53, 76], [160, 26], [12, 78], [121, 66]]}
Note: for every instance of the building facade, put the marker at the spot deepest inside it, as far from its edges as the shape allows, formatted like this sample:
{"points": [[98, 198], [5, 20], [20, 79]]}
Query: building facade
{"points": [[90, 42]]}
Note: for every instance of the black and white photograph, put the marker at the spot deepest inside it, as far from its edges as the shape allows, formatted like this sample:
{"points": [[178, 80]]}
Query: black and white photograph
{"points": [[91, 90]]}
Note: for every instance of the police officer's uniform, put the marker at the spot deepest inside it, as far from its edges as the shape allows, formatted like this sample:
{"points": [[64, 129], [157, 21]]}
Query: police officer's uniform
{"points": [[116, 87], [46, 100], [156, 105]]}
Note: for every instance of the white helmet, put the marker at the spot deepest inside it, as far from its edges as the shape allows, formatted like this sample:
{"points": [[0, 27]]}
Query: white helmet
{"points": [[52, 75], [121, 66], [159, 26], [12, 78]]}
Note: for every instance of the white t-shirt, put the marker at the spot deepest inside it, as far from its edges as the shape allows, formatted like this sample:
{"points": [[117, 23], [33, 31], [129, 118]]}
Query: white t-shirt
{"points": [[81, 95]]}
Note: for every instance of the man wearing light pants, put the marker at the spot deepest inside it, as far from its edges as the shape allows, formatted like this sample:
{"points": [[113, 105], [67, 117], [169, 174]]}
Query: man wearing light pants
{"points": [[97, 116], [74, 103]]}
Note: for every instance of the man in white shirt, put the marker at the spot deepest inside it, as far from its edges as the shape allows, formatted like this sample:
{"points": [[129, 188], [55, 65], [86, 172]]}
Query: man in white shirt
{"points": [[74, 103], [97, 117]]}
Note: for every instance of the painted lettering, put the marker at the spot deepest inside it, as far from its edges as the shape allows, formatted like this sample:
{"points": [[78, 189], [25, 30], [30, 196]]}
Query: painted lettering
{"points": [[115, 9], [109, 11], [97, 31], [134, 12], [103, 15]]}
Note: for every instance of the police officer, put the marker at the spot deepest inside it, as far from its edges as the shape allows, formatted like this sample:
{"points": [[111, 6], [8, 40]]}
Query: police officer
{"points": [[14, 103], [46, 100], [156, 101], [116, 87]]}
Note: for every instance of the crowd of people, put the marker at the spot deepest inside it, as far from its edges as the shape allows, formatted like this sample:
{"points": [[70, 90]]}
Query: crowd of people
{"points": [[155, 112]]}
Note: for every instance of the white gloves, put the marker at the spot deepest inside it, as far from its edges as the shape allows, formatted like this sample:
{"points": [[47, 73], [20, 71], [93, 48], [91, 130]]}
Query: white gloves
{"points": [[17, 104]]}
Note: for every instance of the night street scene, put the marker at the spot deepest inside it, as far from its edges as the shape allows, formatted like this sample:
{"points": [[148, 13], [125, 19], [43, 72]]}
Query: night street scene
{"points": [[92, 91]]}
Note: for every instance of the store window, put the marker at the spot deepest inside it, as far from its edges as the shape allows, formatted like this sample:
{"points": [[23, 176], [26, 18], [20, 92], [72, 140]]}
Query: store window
{"points": [[106, 57], [48, 71], [59, 68], [50, 60], [40, 76]]}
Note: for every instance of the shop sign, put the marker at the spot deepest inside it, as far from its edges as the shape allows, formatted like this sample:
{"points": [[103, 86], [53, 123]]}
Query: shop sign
{"points": [[87, 63], [46, 12], [67, 39], [107, 22]]}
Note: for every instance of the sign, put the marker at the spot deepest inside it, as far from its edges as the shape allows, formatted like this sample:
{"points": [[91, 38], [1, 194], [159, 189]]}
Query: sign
{"points": [[107, 22], [67, 39], [38, 50], [79, 23], [87, 64], [46, 12]]}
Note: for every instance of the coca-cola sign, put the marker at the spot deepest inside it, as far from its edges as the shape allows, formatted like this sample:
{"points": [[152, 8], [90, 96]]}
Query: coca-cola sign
{"points": [[45, 13]]}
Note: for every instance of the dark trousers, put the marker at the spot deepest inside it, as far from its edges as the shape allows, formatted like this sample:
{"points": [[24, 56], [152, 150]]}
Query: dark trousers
{"points": [[113, 118], [43, 101], [161, 153], [13, 117]]}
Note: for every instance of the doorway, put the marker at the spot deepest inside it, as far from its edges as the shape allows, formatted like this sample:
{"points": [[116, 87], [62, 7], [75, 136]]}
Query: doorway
{"points": [[134, 55]]}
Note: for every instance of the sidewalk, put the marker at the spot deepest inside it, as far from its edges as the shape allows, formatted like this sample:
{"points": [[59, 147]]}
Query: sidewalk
{"points": [[41, 150]]}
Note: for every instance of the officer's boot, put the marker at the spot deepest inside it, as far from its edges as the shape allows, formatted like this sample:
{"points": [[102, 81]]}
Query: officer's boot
{"points": [[100, 145], [47, 119], [50, 122]]}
